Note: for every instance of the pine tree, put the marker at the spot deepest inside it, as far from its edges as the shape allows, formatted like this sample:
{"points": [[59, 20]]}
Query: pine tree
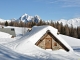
{"points": [[40, 23], [62, 28], [6, 23], [78, 32], [75, 33], [66, 28], [11, 23], [71, 31]]}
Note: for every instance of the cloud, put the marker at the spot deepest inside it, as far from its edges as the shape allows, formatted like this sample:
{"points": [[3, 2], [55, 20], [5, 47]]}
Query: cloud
{"points": [[71, 3], [67, 3], [54, 1]]}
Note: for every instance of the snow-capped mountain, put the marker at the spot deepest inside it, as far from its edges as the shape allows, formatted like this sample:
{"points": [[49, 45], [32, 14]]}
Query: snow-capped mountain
{"points": [[24, 18], [27, 18], [75, 22]]}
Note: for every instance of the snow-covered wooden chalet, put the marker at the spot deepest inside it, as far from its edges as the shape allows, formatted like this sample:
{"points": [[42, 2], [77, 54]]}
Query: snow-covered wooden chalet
{"points": [[45, 37]]}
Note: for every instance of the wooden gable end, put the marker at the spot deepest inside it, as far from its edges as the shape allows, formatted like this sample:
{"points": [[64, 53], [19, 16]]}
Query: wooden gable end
{"points": [[48, 41]]}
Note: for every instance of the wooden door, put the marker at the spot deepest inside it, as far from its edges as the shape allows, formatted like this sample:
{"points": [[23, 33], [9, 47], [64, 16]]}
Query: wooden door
{"points": [[48, 43]]}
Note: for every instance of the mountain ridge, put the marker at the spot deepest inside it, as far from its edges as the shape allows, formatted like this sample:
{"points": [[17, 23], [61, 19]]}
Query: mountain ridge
{"points": [[27, 18], [75, 22]]}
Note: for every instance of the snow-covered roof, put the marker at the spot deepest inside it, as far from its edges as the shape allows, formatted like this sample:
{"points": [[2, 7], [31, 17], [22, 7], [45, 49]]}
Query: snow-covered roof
{"points": [[36, 33]]}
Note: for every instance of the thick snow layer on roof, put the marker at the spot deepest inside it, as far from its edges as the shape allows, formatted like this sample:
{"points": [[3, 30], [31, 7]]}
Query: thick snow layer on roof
{"points": [[38, 31], [35, 34]]}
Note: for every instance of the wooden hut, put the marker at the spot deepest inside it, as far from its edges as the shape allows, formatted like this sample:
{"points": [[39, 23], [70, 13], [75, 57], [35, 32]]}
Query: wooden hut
{"points": [[45, 37], [49, 41]]}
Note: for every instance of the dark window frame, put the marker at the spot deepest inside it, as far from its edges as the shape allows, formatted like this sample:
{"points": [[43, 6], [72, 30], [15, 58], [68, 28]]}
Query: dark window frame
{"points": [[12, 29]]}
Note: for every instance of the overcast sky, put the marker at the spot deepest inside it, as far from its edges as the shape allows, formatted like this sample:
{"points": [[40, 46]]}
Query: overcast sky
{"points": [[46, 9]]}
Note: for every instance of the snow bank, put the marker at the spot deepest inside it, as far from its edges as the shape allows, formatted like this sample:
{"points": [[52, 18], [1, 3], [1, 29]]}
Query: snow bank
{"points": [[5, 35], [5, 38], [8, 54], [35, 54], [71, 41]]}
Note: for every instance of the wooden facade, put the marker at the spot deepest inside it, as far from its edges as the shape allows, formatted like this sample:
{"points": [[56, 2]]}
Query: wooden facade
{"points": [[48, 41]]}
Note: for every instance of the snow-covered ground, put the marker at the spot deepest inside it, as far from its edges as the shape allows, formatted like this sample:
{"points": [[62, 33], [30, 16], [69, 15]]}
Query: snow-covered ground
{"points": [[32, 52], [73, 42]]}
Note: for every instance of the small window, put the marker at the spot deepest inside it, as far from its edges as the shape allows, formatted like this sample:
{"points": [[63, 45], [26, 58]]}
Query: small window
{"points": [[12, 29], [55, 44]]}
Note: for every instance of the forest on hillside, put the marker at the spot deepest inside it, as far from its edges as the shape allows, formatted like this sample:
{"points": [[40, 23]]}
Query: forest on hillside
{"points": [[65, 30]]}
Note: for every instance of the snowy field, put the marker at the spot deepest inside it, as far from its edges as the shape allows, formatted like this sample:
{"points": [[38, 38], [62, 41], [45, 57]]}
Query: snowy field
{"points": [[31, 51]]}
